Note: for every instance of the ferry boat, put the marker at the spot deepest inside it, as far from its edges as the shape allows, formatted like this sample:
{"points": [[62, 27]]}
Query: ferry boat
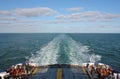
{"points": [[60, 71]]}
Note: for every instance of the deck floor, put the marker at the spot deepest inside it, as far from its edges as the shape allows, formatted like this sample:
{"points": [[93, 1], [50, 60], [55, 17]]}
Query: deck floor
{"points": [[59, 73]]}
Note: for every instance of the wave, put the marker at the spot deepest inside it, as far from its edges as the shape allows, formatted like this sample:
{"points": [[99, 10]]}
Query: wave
{"points": [[64, 50]]}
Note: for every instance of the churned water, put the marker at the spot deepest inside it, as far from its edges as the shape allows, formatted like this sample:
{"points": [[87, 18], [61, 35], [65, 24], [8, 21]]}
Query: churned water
{"points": [[48, 48]]}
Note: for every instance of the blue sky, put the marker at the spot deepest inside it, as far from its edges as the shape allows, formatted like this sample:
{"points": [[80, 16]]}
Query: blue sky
{"points": [[59, 16]]}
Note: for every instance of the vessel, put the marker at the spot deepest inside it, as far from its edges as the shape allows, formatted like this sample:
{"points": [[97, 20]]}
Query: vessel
{"points": [[31, 70]]}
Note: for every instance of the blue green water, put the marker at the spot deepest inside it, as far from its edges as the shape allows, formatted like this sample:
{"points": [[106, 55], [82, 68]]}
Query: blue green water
{"points": [[59, 48]]}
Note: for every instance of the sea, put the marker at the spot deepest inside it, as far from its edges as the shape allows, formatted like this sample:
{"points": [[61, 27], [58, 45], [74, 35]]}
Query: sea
{"points": [[59, 48]]}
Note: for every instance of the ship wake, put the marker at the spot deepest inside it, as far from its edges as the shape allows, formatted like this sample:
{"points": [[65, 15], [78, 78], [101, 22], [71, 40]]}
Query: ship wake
{"points": [[64, 50]]}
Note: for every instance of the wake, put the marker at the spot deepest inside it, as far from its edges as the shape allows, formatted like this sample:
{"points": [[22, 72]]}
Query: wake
{"points": [[64, 50], [79, 53], [46, 55]]}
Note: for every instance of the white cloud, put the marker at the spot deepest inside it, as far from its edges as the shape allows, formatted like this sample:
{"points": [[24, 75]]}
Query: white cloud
{"points": [[85, 16], [60, 17], [81, 16], [4, 13], [75, 9], [75, 21], [27, 21], [59, 29], [55, 22], [34, 12], [111, 16], [89, 16], [7, 19]]}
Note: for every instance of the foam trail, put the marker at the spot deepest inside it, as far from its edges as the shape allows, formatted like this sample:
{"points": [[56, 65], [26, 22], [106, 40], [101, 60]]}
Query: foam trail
{"points": [[94, 58], [48, 54], [79, 53], [64, 50]]}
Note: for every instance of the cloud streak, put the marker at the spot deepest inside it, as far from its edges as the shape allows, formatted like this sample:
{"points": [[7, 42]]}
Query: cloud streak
{"points": [[30, 12], [8, 19], [60, 17], [5, 13], [89, 16], [75, 9], [35, 12]]}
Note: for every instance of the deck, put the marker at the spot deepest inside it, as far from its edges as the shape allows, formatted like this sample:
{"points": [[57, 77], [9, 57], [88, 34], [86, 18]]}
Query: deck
{"points": [[59, 72]]}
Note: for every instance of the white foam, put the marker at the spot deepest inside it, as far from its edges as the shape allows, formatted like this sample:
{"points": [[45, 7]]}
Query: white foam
{"points": [[77, 53], [48, 54], [94, 58]]}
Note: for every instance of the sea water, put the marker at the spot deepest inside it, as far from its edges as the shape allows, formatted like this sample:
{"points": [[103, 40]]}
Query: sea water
{"points": [[55, 48]]}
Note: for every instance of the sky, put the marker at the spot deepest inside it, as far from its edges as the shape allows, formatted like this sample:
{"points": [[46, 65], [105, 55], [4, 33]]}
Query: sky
{"points": [[59, 16]]}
